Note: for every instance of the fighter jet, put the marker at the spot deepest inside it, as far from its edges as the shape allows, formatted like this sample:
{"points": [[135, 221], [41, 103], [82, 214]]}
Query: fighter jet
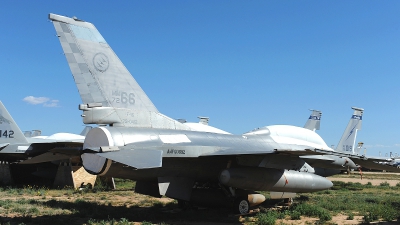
{"points": [[168, 157], [20, 153], [346, 148], [14, 146]]}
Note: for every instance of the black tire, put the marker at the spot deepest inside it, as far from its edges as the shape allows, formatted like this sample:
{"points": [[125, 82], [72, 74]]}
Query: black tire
{"points": [[241, 206]]}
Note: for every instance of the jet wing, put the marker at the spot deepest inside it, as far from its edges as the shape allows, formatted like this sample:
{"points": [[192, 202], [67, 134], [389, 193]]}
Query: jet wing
{"points": [[54, 155], [372, 163], [299, 152], [77, 151], [365, 162], [45, 157]]}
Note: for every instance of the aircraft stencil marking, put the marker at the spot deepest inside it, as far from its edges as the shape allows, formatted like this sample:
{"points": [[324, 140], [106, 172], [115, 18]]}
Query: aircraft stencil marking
{"points": [[100, 62], [126, 121], [351, 132], [123, 97], [176, 152], [7, 134], [4, 120]]}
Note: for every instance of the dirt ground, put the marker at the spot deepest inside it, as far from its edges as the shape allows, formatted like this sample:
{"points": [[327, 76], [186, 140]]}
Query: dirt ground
{"points": [[129, 199], [375, 182]]}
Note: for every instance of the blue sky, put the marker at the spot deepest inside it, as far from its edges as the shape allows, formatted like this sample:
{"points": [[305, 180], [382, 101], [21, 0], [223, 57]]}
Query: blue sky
{"points": [[245, 64]]}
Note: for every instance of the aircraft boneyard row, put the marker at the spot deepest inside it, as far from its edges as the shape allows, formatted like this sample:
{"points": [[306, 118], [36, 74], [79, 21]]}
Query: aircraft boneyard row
{"points": [[185, 161]]}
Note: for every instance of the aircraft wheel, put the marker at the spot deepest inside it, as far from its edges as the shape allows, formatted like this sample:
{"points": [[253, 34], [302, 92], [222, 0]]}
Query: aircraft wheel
{"points": [[241, 206]]}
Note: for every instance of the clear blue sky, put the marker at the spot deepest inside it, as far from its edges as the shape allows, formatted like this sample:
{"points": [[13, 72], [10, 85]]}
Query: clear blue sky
{"points": [[245, 64]]}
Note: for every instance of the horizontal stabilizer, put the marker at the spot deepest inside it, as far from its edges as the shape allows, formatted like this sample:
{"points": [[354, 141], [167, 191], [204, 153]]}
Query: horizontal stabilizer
{"points": [[46, 157], [137, 158]]}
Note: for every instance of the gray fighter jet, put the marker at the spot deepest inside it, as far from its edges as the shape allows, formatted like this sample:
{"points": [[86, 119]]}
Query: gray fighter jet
{"points": [[31, 148], [346, 149], [165, 156], [14, 146]]}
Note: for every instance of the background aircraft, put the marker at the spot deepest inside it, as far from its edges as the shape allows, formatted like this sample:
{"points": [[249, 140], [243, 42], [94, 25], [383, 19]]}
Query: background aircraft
{"points": [[20, 153], [347, 148], [328, 165], [314, 121], [14, 146]]}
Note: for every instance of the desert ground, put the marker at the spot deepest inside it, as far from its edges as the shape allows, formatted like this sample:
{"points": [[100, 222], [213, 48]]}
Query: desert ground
{"points": [[352, 200]]}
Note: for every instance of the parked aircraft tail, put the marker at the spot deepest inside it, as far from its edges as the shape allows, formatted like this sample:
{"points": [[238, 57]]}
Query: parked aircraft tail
{"points": [[9, 130], [348, 141], [109, 92], [314, 121]]}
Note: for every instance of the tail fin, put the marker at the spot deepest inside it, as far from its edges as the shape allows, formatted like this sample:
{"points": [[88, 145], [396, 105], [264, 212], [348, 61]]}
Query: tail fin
{"points": [[9, 130], [109, 92], [314, 121], [348, 141]]}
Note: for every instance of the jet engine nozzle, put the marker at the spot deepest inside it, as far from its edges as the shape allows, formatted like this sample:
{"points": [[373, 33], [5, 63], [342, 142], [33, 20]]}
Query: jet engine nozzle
{"points": [[95, 164]]}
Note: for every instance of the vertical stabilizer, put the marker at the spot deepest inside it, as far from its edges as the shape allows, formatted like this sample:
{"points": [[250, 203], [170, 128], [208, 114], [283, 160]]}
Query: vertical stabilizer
{"points": [[109, 92], [314, 121], [348, 141], [9, 130]]}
